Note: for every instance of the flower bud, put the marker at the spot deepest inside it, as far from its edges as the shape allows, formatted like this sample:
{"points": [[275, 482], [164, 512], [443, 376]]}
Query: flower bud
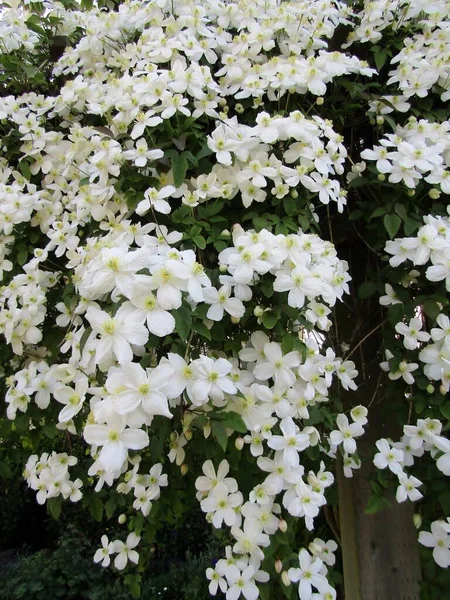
{"points": [[430, 388], [282, 525], [184, 469], [371, 121], [417, 520], [239, 443], [207, 430], [188, 417], [294, 194], [320, 101], [380, 120], [122, 518], [222, 102], [173, 437], [239, 108], [235, 320], [225, 233], [278, 566], [442, 390], [381, 177], [188, 434], [223, 268], [285, 578], [223, 114], [258, 311], [411, 193], [434, 194]]}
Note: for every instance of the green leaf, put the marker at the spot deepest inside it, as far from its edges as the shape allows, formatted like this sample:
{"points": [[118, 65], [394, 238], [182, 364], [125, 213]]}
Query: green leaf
{"points": [[24, 168], [431, 308], [401, 211], [380, 59], [232, 420], [269, 320], [410, 225], [201, 329], [445, 410], [84, 339], [366, 289], [54, 507], [205, 151], [290, 205], [110, 507], [96, 508], [179, 168], [183, 321], [376, 504], [199, 241], [392, 224], [22, 256], [133, 583], [219, 433]]}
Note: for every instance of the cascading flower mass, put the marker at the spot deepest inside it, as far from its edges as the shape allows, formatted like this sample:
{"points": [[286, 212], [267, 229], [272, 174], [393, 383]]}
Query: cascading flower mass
{"points": [[171, 286]]}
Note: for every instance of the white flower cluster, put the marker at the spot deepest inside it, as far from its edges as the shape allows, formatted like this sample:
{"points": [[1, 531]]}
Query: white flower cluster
{"points": [[303, 265], [431, 244], [346, 434], [49, 476], [253, 522], [236, 576], [423, 62], [23, 306], [317, 149], [244, 66], [124, 550], [312, 570], [14, 33], [439, 540], [418, 439], [419, 150], [377, 15]]}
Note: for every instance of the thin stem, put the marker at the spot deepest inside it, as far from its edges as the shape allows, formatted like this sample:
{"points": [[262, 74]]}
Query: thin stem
{"points": [[364, 339]]}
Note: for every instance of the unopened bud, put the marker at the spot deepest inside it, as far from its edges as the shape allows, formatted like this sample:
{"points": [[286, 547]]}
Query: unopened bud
{"points": [[235, 320], [434, 194], [173, 437], [417, 520], [258, 311], [380, 120], [184, 469], [152, 550], [223, 268], [381, 177], [188, 417], [442, 390], [411, 193], [285, 578], [430, 388], [225, 233], [294, 194], [282, 525], [122, 518], [222, 102], [239, 108], [320, 101], [239, 443], [207, 430], [188, 434], [371, 121], [223, 114], [278, 566]]}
